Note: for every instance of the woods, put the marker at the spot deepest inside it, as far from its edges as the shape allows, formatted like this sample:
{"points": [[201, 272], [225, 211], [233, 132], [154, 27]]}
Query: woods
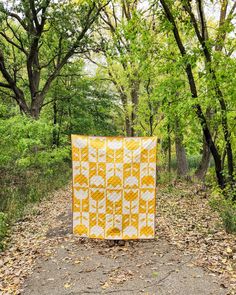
{"points": [[128, 68]]}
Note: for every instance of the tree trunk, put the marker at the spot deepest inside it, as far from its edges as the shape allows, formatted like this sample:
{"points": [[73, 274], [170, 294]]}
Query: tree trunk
{"points": [[128, 126], [169, 150], [201, 171], [219, 94], [204, 163], [134, 100], [54, 132], [182, 163], [124, 101]]}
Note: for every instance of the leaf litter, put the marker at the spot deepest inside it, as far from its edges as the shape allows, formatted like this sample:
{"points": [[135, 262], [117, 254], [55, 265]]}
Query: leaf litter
{"points": [[184, 219]]}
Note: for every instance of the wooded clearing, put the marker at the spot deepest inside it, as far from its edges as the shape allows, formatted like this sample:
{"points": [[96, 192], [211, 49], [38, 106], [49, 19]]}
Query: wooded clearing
{"points": [[121, 68]]}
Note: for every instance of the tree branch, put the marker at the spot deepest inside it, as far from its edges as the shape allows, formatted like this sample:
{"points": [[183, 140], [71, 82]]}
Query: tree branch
{"points": [[18, 18], [19, 95], [12, 42], [4, 85], [63, 61]]}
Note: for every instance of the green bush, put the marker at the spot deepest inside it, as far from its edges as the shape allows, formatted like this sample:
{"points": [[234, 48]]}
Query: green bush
{"points": [[193, 162], [30, 165], [3, 227], [227, 211]]}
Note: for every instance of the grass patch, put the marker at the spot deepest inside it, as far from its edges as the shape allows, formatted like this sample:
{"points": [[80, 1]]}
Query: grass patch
{"points": [[227, 211], [20, 188]]}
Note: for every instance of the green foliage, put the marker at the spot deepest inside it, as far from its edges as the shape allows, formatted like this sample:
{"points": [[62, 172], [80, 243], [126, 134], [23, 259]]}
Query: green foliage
{"points": [[32, 162], [30, 166], [3, 227], [193, 162], [227, 211]]}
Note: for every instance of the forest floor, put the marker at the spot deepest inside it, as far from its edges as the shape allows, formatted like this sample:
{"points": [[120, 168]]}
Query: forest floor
{"points": [[191, 255]]}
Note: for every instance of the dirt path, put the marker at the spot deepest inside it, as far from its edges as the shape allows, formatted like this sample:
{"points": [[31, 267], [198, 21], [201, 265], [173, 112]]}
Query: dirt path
{"points": [[79, 266], [45, 258]]}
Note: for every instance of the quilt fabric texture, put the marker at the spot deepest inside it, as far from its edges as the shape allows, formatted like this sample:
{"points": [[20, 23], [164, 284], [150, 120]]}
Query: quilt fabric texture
{"points": [[114, 181]]}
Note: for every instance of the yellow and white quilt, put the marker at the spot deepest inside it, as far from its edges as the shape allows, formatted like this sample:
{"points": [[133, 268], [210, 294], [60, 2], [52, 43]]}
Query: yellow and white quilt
{"points": [[114, 182]]}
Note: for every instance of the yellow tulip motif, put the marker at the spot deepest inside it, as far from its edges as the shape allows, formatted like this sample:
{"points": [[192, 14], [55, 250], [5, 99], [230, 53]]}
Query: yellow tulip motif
{"points": [[114, 187]]}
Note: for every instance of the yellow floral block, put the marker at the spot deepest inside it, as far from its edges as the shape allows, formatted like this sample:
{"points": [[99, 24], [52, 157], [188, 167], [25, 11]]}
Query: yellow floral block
{"points": [[114, 187]]}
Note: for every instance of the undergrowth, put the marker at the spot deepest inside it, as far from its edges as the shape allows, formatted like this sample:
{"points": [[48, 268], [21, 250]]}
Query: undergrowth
{"points": [[20, 188]]}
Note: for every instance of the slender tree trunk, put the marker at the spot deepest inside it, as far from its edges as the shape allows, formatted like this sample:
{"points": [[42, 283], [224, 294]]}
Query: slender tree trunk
{"points": [[206, 153], [70, 117], [54, 133], [182, 163], [134, 100], [169, 150], [151, 124], [204, 163], [219, 94]]}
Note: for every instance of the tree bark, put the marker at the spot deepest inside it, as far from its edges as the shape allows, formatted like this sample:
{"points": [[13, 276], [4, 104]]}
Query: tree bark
{"points": [[134, 100], [182, 163], [124, 101], [54, 132], [206, 153], [204, 163], [169, 150]]}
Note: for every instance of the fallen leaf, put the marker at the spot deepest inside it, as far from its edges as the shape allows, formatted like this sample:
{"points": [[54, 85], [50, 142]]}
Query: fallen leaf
{"points": [[67, 285]]}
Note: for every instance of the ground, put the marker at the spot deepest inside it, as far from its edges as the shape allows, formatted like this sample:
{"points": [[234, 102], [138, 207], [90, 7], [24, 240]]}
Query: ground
{"points": [[191, 255]]}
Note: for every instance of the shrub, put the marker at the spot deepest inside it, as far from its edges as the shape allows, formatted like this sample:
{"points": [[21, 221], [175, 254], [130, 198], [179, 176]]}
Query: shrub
{"points": [[3, 227], [30, 166], [227, 211]]}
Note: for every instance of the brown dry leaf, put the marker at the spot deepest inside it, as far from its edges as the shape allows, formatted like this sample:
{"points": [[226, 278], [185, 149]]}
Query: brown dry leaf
{"points": [[229, 250]]}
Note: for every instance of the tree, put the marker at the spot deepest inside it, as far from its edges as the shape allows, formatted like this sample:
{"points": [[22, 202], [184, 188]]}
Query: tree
{"points": [[224, 22], [211, 74], [28, 29], [122, 24]]}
